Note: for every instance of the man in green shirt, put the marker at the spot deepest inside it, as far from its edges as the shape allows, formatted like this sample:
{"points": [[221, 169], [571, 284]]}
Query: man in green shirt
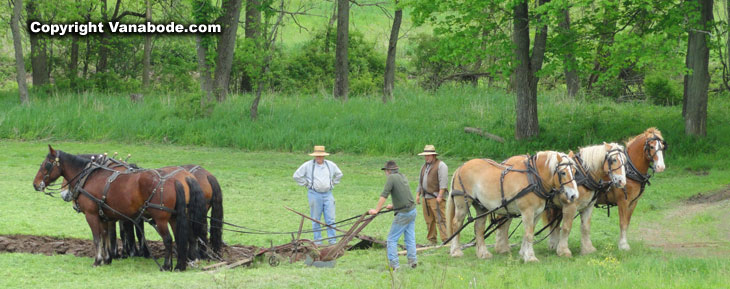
{"points": [[404, 222]]}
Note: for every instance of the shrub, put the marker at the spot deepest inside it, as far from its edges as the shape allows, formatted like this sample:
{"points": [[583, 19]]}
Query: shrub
{"points": [[661, 91], [311, 69]]}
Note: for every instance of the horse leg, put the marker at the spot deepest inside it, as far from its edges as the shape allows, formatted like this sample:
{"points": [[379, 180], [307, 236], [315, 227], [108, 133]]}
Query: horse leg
{"points": [[624, 212], [569, 212], [586, 246], [142, 250], [460, 208], [112, 230], [96, 231], [107, 241], [501, 239], [554, 237], [164, 232], [528, 221], [479, 224]]}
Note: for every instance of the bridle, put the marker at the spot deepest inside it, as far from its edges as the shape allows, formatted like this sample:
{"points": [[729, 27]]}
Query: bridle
{"points": [[609, 154], [49, 169], [661, 145], [562, 174]]}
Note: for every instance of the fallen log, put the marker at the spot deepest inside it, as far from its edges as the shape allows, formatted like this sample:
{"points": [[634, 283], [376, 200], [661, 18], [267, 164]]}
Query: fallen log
{"points": [[484, 134]]}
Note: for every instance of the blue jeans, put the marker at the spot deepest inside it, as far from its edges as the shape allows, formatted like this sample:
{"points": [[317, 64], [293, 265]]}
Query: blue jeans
{"points": [[322, 203], [405, 224]]}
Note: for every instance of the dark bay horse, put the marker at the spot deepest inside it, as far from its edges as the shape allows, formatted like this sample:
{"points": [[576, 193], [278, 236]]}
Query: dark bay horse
{"points": [[106, 195], [644, 151], [214, 203]]}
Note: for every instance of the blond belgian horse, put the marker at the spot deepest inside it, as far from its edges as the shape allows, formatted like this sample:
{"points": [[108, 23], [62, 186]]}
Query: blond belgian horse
{"points": [[598, 162], [642, 150], [498, 188]]}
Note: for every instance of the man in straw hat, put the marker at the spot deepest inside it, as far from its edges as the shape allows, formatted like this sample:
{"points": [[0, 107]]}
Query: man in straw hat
{"points": [[404, 222], [320, 176], [432, 184]]}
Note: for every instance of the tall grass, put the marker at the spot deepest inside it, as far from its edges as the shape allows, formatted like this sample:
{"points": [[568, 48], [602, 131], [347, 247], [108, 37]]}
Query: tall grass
{"points": [[364, 125]]}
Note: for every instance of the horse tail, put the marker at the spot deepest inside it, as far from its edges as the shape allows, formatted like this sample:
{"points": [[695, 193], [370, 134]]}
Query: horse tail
{"points": [[196, 213], [181, 226], [216, 214], [450, 206]]}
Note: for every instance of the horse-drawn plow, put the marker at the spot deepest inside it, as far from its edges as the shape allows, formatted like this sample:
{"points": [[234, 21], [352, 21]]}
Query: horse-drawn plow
{"points": [[305, 249]]}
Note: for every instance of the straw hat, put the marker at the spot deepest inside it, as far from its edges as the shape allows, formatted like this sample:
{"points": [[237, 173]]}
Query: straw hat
{"points": [[319, 152], [428, 150], [390, 165]]}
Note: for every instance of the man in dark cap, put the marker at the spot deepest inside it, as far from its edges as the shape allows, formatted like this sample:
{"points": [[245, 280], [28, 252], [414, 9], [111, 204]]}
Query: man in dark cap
{"points": [[404, 222]]}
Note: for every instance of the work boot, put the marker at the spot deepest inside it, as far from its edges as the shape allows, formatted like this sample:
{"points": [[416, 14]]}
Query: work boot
{"points": [[413, 264]]}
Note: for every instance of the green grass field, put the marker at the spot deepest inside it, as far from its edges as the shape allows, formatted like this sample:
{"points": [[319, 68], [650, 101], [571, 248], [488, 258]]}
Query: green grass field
{"points": [[256, 186]]}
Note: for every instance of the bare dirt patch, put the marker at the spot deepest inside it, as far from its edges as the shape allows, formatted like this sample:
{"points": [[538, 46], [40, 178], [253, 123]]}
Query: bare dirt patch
{"points": [[85, 248], [696, 227], [710, 197]]}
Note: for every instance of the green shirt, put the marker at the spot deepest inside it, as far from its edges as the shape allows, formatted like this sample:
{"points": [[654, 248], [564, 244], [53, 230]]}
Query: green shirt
{"points": [[397, 185]]}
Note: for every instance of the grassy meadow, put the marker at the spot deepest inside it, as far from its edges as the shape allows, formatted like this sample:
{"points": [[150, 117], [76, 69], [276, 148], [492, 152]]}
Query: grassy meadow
{"points": [[254, 162]]}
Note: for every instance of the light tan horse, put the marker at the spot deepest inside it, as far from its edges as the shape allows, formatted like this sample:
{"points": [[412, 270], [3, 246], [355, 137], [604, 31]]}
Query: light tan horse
{"points": [[594, 164], [520, 189], [642, 150]]}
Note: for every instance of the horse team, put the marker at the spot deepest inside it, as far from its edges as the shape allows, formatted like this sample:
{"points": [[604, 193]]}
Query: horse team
{"points": [[112, 190], [554, 185]]}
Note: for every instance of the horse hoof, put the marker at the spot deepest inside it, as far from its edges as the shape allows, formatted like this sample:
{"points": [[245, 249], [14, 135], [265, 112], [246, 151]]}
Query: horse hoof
{"points": [[457, 254], [565, 253], [96, 264], [588, 250], [501, 250], [484, 254], [531, 259], [624, 246]]}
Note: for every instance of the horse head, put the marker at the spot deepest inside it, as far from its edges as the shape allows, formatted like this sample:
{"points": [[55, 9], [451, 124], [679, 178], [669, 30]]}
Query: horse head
{"points": [[614, 163], [654, 147], [49, 171], [563, 172]]}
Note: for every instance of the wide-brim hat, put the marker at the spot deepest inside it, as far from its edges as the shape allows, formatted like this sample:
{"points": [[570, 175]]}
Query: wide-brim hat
{"points": [[390, 165], [319, 152], [428, 150]]}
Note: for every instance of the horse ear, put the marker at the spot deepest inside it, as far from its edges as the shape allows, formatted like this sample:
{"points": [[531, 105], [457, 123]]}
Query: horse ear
{"points": [[571, 154], [51, 150], [560, 159]]}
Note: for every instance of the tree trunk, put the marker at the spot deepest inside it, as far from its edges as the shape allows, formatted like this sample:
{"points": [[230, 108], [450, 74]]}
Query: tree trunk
{"points": [[18, 46], [695, 120], [525, 81], [342, 70], [226, 47], [147, 51], [73, 66], [390, 61], [252, 32], [329, 28], [103, 50], [572, 81], [38, 56], [206, 81]]}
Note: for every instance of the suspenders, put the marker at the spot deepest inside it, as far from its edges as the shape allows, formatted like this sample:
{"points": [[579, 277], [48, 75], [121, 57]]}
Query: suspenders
{"points": [[329, 174]]}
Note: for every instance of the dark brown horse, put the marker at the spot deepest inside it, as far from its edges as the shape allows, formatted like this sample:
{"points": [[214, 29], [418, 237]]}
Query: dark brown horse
{"points": [[213, 199], [106, 195], [642, 150]]}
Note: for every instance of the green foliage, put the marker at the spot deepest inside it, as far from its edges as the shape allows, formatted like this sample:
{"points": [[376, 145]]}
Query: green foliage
{"points": [[188, 106], [662, 91], [311, 68]]}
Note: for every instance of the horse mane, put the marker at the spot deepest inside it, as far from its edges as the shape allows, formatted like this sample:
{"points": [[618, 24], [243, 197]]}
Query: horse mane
{"points": [[648, 132], [593, 156], [74, 160], [552, 159]]}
